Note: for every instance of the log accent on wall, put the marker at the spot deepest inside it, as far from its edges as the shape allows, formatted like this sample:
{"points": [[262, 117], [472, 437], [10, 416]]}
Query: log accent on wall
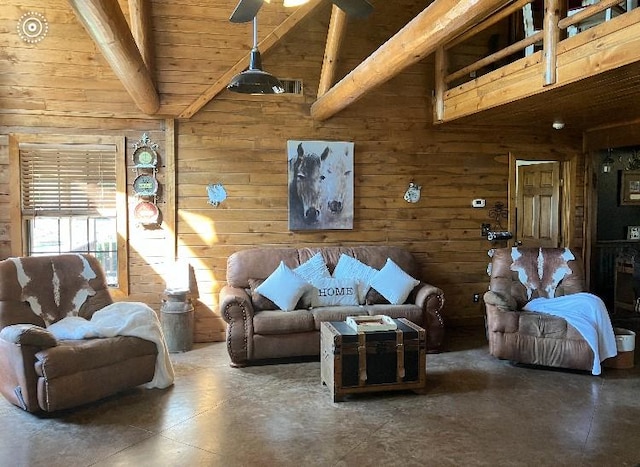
{"points": [[335, 36], [265, 45], [107, 26], [437, 24], [142, 30]]}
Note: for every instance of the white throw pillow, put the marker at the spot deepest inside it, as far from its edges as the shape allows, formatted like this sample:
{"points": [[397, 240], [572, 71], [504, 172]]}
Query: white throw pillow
{"points": [[393, 283], [312, 269], [283, 287], [351, 268], [334, 292]]}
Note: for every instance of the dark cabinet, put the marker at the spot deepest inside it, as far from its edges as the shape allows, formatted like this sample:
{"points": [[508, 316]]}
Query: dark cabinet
{"points": [[626, 288]]}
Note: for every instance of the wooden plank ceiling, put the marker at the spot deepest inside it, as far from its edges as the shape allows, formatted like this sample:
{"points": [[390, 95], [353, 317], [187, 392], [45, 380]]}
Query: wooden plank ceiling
{"points": [[196, 49]]}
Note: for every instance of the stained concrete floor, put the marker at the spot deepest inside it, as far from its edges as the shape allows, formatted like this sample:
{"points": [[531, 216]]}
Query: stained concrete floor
{"points": [[476, 411]]}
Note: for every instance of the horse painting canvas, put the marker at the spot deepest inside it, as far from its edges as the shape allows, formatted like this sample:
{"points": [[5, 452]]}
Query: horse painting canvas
{"points": [[320, 185]]}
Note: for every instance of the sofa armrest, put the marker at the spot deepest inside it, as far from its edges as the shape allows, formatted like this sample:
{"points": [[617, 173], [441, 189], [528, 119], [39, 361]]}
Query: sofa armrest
{"points": [[28, 334], [431, 299], [501, 319], [237, 311], [18, 378]]}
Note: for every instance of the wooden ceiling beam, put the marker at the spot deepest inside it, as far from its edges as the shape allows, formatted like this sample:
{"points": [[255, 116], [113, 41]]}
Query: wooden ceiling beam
{"points": [[142, 30], [266, 44], [107, 26], [337, 30], [439, 23]]}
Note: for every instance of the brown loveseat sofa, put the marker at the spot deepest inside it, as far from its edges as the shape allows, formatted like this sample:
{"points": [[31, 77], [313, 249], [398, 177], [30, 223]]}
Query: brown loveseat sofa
{"points": [[38, 372], [257, 334]]}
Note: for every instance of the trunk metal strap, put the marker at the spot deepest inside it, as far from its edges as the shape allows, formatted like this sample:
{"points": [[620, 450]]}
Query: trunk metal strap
{"points": [[400, 354], [362, 358]]}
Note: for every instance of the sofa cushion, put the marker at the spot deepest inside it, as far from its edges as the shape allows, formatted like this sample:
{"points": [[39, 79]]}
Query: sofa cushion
{"points": [[351, 268], [74, 356], [279, 322], [393, 283], [336, 313], [312, 269], [329, 291], [375, 298], [283, 287], [259, 301]]}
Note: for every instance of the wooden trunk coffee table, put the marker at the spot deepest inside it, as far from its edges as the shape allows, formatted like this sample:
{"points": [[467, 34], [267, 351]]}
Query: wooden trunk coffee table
{"points": [[352, 362]]}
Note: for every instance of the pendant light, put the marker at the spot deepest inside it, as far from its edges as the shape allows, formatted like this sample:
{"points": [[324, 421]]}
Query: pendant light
{"points": [[253, 80], [607, 164]]}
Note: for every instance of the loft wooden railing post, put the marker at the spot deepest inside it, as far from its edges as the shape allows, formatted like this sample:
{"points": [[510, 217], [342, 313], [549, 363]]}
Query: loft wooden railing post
{"points": [[441, 66], [551, 36]]}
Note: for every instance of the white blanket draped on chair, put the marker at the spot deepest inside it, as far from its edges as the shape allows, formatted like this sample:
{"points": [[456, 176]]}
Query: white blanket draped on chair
{"points": [[588, 314], [122, 319]]}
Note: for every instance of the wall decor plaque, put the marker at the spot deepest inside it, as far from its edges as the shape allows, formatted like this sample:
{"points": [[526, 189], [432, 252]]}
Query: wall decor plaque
{"points": [[145, 185]]}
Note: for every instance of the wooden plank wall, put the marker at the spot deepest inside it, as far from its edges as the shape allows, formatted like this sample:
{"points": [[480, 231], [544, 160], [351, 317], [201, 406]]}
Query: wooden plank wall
{"points": [[240, 141], [147, 248], [5, 210]]}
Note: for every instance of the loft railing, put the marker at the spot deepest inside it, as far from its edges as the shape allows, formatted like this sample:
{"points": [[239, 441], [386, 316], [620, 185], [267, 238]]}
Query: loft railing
{"points": [[555, 24]]}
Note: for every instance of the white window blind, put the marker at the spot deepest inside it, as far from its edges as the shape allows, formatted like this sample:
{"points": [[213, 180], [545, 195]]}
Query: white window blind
{"points": [[68, 179]]}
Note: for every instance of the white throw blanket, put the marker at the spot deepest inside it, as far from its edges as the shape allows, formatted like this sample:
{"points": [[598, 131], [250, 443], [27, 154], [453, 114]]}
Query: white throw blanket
{"points": [[588, 314], [122, 319]]}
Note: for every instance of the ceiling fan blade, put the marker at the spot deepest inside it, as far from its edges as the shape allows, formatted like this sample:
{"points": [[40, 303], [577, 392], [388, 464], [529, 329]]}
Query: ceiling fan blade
{"points": [[354, 8], [245, 11]]}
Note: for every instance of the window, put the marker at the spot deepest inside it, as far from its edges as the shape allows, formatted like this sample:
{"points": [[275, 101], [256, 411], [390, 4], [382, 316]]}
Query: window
{"points": [[70, 202]]}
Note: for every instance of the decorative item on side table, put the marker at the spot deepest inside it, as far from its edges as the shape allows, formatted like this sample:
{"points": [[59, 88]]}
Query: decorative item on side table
{"points": [[371, 323], [497, 213], [633, 232]]}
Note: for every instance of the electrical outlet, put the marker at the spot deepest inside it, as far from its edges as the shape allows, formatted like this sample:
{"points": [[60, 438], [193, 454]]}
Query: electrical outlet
{"points": [[485, 229], [476, 297]]}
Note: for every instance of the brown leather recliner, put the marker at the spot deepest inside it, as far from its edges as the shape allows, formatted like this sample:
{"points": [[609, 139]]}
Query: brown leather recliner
{"points": [[517, 276], [38, 372]]}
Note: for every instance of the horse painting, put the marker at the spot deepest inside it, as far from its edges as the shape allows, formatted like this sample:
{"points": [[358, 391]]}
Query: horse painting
{"points": [[320, 185]]}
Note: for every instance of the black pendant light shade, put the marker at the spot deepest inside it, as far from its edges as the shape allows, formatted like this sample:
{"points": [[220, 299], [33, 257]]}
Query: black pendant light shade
{"points": [[254, 80]]}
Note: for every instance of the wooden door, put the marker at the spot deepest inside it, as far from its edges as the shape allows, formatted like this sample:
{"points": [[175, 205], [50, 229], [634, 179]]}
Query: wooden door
{"points": [[538, 205]]}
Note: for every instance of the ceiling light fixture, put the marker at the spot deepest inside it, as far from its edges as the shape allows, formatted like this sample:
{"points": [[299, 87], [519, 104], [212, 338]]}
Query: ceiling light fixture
{"points": [[253, 80], [558, 125], [608, 162]]}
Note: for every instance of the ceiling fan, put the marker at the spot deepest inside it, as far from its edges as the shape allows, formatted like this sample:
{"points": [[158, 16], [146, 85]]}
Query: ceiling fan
{"points": [[246, 10]]}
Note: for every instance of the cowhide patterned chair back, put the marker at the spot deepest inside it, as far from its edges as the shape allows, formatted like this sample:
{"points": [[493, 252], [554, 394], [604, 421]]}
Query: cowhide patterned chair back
{"points": [[38, 372], [519, 275]]}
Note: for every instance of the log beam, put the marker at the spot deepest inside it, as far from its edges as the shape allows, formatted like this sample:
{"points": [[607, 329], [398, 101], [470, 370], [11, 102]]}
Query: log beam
{"points": [[142, 30], [337, 30], [107, 26], [439, 23]]}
